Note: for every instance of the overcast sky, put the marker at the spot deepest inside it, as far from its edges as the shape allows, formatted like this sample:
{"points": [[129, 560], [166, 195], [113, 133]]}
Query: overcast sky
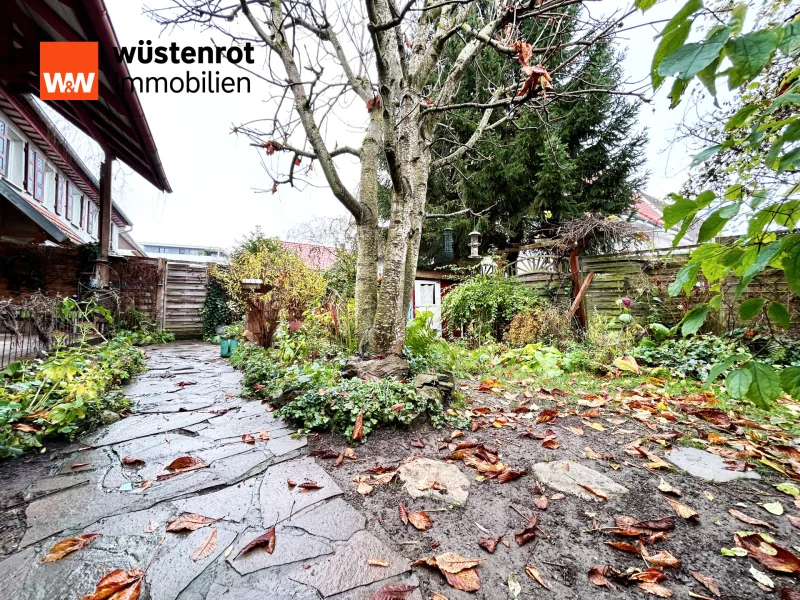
{"points": [[215, 174]]}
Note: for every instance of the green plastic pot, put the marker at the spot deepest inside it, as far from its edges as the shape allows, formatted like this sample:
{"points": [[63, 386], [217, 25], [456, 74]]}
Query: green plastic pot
{"points": [[226, 347]]}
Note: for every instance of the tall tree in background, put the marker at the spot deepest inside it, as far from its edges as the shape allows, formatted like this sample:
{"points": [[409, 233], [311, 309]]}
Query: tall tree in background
{"points": [[538, 170], [407, 64]]}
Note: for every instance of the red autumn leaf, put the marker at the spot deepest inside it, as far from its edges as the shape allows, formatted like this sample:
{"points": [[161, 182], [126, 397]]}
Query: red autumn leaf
{"points": [[120, 584], [624, 546], [770, 555], [420, 520], [324, 453], [358, 428], [248, 439], [267, 540], [597, 575], [185, 463], [546, 416], [373, 103], [550, 444], [394, 591], [189, 523], [489, 544], [509, 475], [717, 416], [291, 483], [663, 524], [64, 547], [131, 461], [525, 536], [466, 580], [524, 52], [417, 443], [297, 161], [651, 575], [206, 548], [309, 485]]}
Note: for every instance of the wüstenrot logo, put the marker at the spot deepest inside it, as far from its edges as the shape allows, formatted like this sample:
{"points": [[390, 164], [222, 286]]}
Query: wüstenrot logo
{"points": [[68, 71]]}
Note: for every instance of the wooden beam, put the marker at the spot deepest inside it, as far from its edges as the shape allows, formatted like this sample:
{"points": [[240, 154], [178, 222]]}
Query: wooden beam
{"points": [[105, 206], [581, 293]]}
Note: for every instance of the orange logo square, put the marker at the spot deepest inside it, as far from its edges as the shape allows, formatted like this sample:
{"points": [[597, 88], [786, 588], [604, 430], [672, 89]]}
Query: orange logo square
{"points": [[68, 71]]}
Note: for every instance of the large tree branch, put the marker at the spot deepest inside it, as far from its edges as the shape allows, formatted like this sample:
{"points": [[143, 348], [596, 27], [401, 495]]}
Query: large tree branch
{"points": [[279, 44], [460, 212]]}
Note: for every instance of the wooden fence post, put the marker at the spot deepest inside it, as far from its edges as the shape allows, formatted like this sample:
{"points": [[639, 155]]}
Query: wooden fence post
{"points": [[575, 273]]}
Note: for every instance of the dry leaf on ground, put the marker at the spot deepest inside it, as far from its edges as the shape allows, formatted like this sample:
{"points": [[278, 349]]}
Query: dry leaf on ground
{"points": [[358, 428], [656, 590], [597, 575], [185, 463], [682, 510], [708, 582], [267, 540], [64, 547], [668, 489], [130, 461], [394, 591], [509, 475], [377, 562], [119, 584], [189, 523], [466, 580], [540, 502], [770, 555], [206, 547], [534, 574], [489, 544], [749, 520]]}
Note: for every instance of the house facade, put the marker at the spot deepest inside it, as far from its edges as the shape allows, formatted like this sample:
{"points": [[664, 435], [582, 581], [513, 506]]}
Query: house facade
{"points": [[47, 194]]}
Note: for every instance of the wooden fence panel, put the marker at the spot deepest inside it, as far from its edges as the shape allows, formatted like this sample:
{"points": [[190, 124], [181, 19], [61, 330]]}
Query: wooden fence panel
{"points": [[184, 294]]}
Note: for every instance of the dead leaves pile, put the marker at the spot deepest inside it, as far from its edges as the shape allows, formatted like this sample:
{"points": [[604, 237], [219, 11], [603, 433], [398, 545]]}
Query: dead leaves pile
{"points": [[368, 480], [459, 572], [485, 460]]}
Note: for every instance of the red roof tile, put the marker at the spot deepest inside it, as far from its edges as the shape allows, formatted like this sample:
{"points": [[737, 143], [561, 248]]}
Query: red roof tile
{"points": [[73, 237], [647, 211], [316, 257]]}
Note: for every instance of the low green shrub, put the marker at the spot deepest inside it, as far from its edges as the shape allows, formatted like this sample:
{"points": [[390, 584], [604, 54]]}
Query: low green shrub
{"points": [[689, 357], [386, 403], [140, 330], [535, 359], [64, 393]]}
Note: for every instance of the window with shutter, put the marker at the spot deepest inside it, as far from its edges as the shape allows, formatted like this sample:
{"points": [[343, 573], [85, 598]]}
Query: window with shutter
{"points": [[30, 168], [70, 208], [61, 188], [3, 148], [82, 220], [38, 180]]}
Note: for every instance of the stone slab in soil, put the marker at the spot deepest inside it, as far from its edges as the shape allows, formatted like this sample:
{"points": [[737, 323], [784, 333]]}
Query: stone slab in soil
{"points": [[291, 545], [420, 474], [142, 425], [348, 568], [276, 588], [230, 503], [568, 477], [279, 501], [173, 569], [367, 592], [334, 520], [705, 465]]}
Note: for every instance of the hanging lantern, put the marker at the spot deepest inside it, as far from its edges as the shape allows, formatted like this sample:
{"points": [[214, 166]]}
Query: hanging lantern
{"points": [[474, 244]]}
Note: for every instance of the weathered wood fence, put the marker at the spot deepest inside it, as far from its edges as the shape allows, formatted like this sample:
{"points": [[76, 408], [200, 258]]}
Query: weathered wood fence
{"points": [[183, 297]]}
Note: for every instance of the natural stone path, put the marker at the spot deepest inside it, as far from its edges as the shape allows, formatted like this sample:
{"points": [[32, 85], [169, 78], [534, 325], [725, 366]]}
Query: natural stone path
{"points": [[188, 404]]}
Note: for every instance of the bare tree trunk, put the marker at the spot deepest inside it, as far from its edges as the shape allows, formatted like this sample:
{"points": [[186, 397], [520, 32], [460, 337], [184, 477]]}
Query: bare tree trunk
{"points": [[367, 261], [421, 174]]}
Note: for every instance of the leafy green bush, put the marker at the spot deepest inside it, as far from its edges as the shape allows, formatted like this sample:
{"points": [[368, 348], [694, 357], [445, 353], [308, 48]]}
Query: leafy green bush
{"points": [[386, 403], [140, 330], [690, 357], [535, 358], [484, 304], [546, 323], [424, 349], [62, 394]]}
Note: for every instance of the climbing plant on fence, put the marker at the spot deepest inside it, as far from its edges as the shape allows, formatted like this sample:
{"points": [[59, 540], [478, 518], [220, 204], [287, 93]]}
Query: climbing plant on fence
{"points": [[759, 142], [216, 307]]}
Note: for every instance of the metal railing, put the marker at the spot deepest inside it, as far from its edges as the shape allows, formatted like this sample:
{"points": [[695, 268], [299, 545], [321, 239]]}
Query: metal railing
{"points": [[28, 342]]}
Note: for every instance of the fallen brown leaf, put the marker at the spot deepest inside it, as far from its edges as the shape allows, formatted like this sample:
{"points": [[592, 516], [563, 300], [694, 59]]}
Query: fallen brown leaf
{"points": [[546, 416], [420, 520], [267, 540], [551, 444], [540, 502], [708, 582], [376, 562], [466, 580], [206, 548], [624, 546], [597, 575], [248, 439], [668, 489], [70, 545], [770, 555], [309, 485], [185, 463], [599, 493], [129, 461], [661, 559], [534, 574], [394, 591], [489, 544], [656, 590], [682, 510], [119, 585], [749, 520], [358, 428], [509, 475], [189, 523]]}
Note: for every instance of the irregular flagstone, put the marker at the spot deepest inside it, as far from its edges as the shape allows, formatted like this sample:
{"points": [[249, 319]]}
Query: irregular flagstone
{"points": [[285, 444], [88, 460], [348, 568], [367, 592], [134, 523], [291, 545], [419, 475], [569, 477], [180, 405], [279, 501], [139, 426], [231, 503], [705, 465], [173, 569], [272, 587], [334, 520], [50, 485]]}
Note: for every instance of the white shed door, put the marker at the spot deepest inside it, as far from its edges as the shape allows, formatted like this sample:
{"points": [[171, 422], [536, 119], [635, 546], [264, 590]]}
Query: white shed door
{"points": [[428, 297]]}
